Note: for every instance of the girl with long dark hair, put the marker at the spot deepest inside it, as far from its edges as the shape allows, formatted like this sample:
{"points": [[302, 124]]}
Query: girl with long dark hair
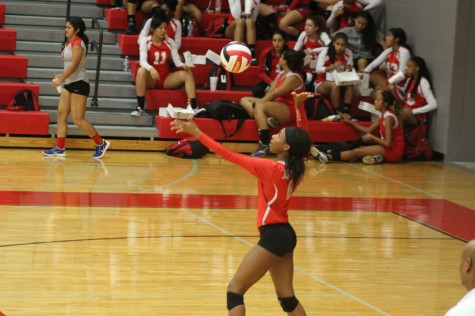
{"points": [[396, 56], [156, 50], [277, 180], [75, 91], [335, 57], [417, 95], [269, 63], [388, 146], [364, 40], [278, 103]]}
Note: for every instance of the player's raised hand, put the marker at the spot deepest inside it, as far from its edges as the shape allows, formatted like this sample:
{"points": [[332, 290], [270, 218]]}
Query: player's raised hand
{"points": [[186, 126]]}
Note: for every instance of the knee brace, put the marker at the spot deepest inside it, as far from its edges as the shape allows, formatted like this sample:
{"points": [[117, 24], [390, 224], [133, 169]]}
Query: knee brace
{"points": [[288, 304], [234, 299]]}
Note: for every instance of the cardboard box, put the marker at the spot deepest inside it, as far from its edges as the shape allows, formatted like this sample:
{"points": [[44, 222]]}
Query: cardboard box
{"points": [[180, 113]]}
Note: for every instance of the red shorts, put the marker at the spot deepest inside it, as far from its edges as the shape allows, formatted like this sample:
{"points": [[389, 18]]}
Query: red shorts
{"points": [[159, 83], [394, 153]]}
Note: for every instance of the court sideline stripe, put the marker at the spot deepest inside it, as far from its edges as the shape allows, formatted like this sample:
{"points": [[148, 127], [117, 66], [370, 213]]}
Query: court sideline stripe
{"points": [[310, 275]]}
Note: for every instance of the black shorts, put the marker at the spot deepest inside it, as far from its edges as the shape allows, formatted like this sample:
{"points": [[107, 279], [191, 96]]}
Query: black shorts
{"points": [[279, 239], [79, 87]]}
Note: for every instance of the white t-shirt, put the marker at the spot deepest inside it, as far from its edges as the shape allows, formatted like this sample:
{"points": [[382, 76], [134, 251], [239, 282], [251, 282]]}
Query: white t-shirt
{"points": [[465, 307]]}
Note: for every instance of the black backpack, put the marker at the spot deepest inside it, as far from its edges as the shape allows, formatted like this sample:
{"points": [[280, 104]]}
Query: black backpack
{"points": [[225, 78], [24, 100], [189, 148], [318, 108], [226, 110]]}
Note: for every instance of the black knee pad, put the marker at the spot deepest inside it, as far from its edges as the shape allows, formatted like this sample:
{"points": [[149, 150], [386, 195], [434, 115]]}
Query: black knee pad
{"points": [[133, 1], [288, 304], [234, 300]]}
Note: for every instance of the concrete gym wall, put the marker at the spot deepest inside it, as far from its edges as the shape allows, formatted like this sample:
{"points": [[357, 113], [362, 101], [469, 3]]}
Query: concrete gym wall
{"points": [[443, 33]]}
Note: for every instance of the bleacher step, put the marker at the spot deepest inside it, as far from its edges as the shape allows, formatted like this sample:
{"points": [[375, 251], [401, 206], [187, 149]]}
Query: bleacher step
{"points": [[110, 90], [112, 131], [108, 117], [55, 47], [46, 21], [105, 75], [126, 104], [53, 9], [55, 34], [53, 60]]}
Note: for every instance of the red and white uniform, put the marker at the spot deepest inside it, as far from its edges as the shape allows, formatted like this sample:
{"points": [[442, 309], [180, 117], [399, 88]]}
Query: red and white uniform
{"points": [[303, 42], [423, 100], [396, 63], [345, 20], [268, 69], [289, 98], [173, 31], [324, 61], [158, 57], [394, 152], [274, 189], [67, 56], [358, 6]]}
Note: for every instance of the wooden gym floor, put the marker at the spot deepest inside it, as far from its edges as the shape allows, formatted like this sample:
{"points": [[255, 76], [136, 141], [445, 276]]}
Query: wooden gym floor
{"points": [[141, 233]]}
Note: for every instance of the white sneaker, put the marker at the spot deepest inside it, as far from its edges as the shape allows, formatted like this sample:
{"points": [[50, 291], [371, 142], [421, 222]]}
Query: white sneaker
{"points": [[317, 154], [272, 122], [372, 160], [138, 112]]}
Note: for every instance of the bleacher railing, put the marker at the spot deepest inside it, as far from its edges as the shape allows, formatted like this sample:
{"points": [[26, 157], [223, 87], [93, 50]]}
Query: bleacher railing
{"points": [[98, 47]]}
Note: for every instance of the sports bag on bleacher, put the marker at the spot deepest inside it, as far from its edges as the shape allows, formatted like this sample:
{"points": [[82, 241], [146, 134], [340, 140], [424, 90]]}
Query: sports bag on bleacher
{"points": [[24, 100], [225, 78]]}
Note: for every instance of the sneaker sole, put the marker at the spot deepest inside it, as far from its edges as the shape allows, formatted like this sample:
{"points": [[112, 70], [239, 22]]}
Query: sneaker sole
{"points": [[54, 155], [104, 152], [369, 160], [318, 155]]}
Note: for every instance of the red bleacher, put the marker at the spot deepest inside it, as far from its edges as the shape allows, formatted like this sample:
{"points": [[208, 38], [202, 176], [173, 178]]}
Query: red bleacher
{"points": [[103, 2], [21, 122], [7, 39], [117, 18], [321, 132], [24, 123], [2, 13], [13, 66]]}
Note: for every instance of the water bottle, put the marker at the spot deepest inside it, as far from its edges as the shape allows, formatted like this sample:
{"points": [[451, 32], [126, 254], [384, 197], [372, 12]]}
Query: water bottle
{"points": [[217, 6], [189, 28], [126, 65]]}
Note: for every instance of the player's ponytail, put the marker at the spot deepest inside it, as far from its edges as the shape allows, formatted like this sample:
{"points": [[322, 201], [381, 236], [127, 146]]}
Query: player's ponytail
{"points": [[391, 101], [78, 24], [299, 142]]}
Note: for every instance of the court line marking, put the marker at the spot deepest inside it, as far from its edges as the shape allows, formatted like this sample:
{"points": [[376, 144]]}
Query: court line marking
{"points": [[308, 274], [140, 295], [357, 166], [192, 171]]}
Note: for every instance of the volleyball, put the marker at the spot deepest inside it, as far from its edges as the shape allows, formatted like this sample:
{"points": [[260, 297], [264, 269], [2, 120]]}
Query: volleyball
{"points": [[235, 57]]}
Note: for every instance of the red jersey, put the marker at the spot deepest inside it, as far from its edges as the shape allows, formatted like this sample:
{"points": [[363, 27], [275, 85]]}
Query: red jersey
{"points": [[394, 152], [158, 56], [423, 100], [274, 188], [288, 98], [268, 65], [324, 61], [344, 20], [396, 63]]}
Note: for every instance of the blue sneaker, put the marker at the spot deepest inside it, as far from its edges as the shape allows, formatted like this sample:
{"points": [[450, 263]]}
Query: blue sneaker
{"points": [[55, 151], [261, 151], [101, 149]]}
